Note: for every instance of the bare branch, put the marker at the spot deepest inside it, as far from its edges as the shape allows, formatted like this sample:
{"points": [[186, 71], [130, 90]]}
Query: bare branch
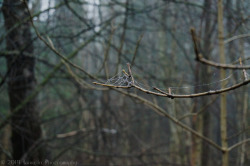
{"points": [[73, 133], [172, 96], [161, 112], [111, 86], [211, 92], [244, 71], [238, 144], [236, 37], [136, 49], [200, 58], [130, 73]]}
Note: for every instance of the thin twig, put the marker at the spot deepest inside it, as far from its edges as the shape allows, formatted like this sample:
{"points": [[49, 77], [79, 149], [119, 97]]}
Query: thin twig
{"points": [[123, 35], [200, 111], [111, 86], [161, 112], [73, 133], [236, 37], [79, 80], [106, 54], [238, 144], [239, 133], [244, 71], [130, 74], [136, 49]]}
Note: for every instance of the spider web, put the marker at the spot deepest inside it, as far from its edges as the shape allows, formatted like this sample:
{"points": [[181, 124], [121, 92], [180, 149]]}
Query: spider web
{"points": [[124, 80]]}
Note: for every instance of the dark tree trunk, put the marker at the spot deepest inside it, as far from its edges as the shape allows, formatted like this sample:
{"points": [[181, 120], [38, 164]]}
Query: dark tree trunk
{"points": [[26, 131]]}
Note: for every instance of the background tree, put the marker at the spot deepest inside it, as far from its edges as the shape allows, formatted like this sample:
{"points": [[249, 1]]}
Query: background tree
{"points": [[20, 77]]}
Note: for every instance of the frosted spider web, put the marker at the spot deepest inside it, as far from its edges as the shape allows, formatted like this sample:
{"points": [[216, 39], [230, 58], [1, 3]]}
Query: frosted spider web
{"points": [[124, 80]]}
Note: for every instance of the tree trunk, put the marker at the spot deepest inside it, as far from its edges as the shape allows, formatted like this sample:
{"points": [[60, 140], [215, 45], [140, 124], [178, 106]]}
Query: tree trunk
{"points": [[197, 123], [223, 102], [26, 131], [205, 77], [244, 114]]}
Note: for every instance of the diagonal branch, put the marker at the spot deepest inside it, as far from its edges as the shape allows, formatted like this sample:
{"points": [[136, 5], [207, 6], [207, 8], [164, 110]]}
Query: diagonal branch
{"points": [[161, 112], [238, 144], [200, 58], [236, 37]]}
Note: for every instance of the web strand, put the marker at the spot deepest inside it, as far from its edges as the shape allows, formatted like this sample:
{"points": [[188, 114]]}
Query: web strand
{"points": [[123, 79]]}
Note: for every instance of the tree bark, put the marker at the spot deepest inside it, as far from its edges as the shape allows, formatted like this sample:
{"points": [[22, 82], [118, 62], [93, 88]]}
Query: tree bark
{"points": [[244, 115], [26, 130], [223, 102]]}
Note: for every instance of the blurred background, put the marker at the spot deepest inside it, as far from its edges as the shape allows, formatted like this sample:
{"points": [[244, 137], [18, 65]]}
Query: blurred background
{"points": [[51, 111]]}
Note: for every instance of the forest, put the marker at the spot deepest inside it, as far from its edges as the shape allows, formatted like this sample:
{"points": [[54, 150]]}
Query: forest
{"points": [[125, 82]]}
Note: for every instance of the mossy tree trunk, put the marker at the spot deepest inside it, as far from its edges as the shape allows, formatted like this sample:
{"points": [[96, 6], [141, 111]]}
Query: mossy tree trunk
{"points": [[26, 130]]}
